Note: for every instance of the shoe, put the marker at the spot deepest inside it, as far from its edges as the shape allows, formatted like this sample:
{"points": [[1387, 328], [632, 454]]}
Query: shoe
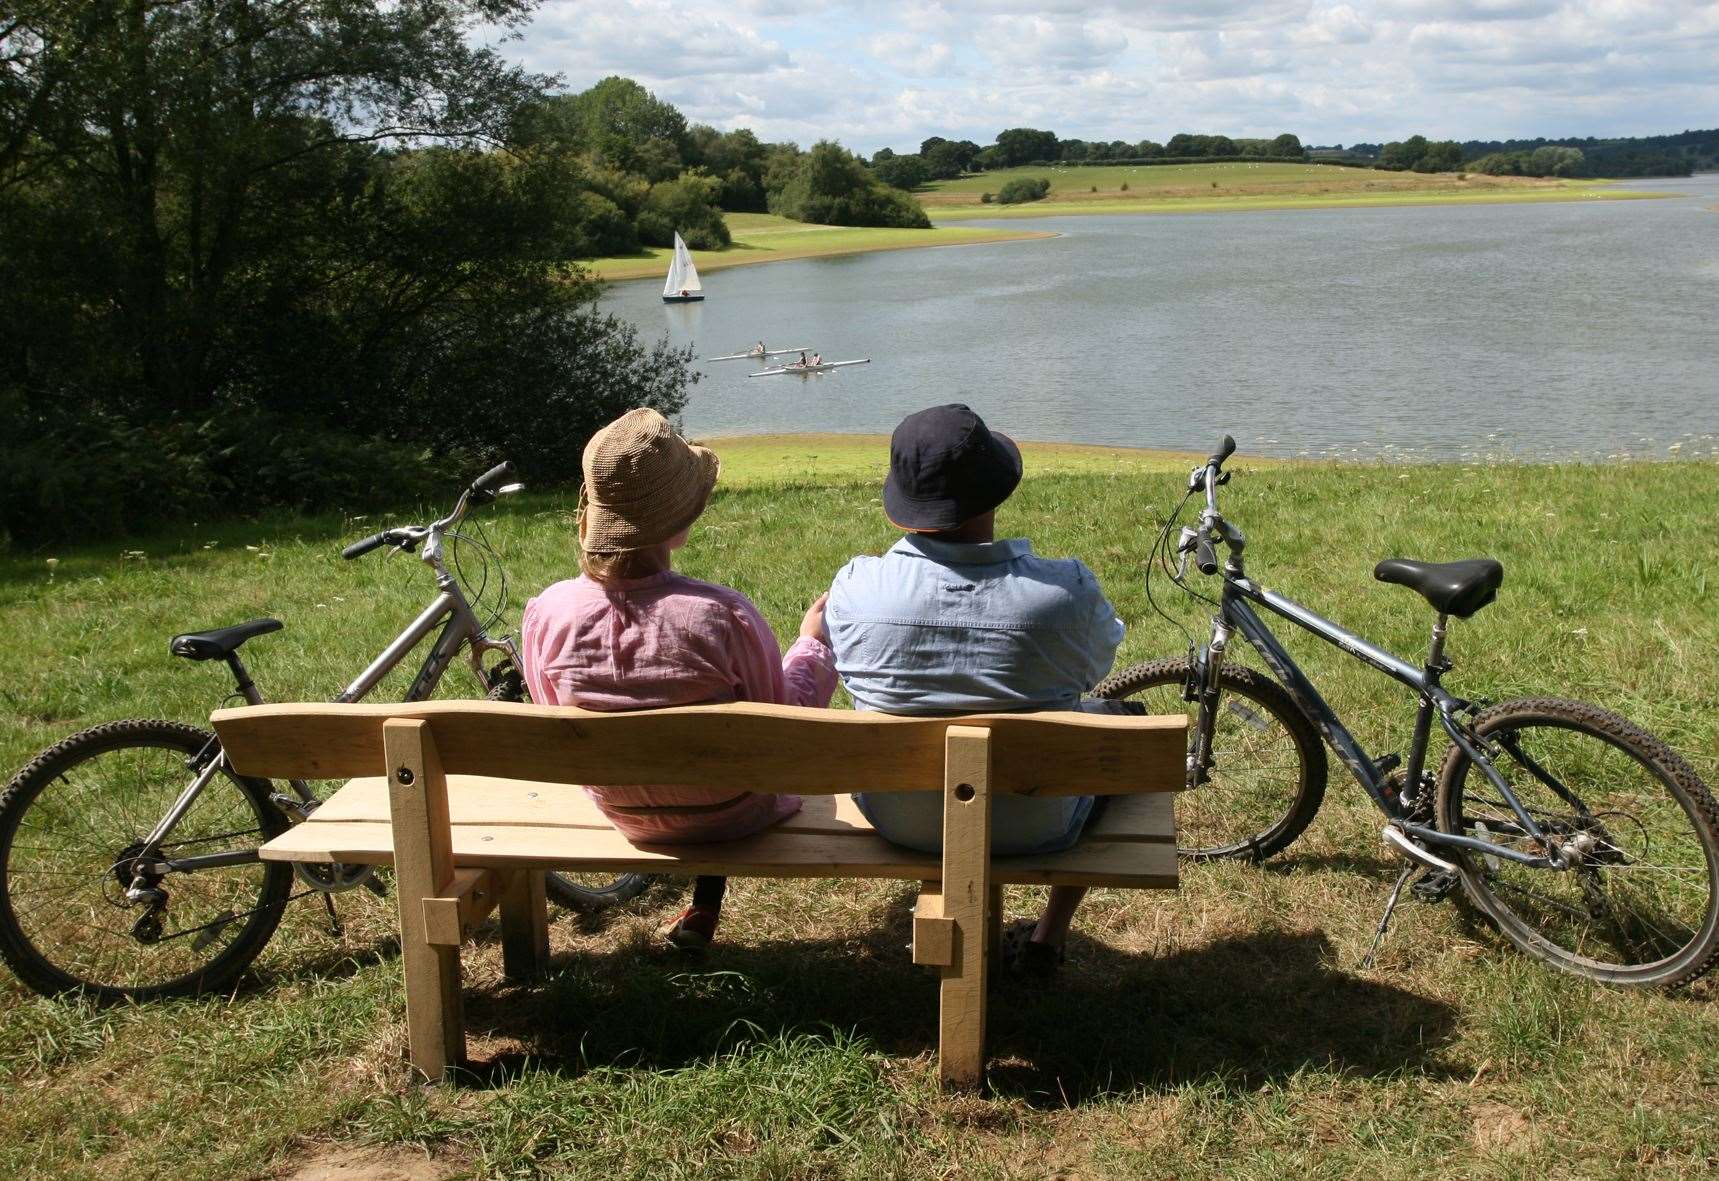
{"points": [[692, 930], [1026, 958]]}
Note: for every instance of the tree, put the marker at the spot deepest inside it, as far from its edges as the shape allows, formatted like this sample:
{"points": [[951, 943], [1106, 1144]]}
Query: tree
{"points": [[901, 172], [625, 126], [227, 257], [687, 206], [1023, 189], [1444, 156], [1287, 144], [931, 144], [1400, 156], [830, 186], [1022, 145]]}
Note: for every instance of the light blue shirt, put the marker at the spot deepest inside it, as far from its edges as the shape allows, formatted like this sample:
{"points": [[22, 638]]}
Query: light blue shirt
{"points": [[941, 627], [959, 627]]}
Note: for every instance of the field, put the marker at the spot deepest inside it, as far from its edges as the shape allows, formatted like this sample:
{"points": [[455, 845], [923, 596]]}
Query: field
{"points": [[764, 237], [1226, 1029], [1218, 187]]}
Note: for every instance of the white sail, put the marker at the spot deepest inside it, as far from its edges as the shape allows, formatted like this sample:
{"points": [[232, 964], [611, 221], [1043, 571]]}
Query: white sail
{"points": [[682, 275]]}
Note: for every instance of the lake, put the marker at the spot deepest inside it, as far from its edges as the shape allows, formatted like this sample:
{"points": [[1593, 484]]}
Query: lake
{"points": [[1581, 330]]}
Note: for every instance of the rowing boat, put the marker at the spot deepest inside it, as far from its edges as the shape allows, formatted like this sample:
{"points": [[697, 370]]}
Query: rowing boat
{"points": [[755, 353], [805, 369]]}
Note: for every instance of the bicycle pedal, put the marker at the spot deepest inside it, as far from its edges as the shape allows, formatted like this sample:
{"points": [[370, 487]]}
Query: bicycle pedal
{"points": [[1434, 886]]}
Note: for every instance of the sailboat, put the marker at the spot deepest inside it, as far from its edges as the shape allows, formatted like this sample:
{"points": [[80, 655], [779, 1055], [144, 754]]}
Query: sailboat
{"points": [[682, 285]]}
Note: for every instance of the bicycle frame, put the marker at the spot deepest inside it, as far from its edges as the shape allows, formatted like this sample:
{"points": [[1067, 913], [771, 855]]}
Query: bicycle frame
{"points": [[460, 627], [1236, 613]]}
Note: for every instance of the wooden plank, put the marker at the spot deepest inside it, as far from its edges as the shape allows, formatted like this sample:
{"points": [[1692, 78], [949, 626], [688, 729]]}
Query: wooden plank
{"points": [[424, 869], [1139, 864], [524, 924], [442, 925], [481, 799], [933, 931], [727, 748], [966, 898]]}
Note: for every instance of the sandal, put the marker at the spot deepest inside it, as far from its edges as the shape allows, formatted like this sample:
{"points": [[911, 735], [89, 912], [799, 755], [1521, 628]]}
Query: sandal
{"points": [[692, 930], [1026, 957]]}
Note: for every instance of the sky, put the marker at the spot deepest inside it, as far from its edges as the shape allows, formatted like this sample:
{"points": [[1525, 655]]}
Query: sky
{"points": [[888, 73]]}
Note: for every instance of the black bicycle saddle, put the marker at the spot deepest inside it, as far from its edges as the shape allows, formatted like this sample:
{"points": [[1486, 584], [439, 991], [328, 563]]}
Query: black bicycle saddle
{"points": [[221, 642], [1453, 588]]}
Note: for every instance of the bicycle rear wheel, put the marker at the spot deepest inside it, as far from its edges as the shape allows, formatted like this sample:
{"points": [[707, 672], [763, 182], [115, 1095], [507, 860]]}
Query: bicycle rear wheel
{"points": [[1640, 907], [583, 893], [1268, 764], [71, 825]]}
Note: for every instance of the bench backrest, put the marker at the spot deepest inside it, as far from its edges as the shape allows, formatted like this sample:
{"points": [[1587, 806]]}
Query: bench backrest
{"points": [[739, 747]]}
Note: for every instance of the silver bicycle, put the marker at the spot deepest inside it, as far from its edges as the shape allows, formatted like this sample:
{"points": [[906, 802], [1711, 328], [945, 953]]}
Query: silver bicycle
{"points": [[128, 851]]}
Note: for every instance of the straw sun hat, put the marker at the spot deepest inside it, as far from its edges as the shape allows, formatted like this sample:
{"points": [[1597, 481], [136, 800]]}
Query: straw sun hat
{"points": [[643, 483]]}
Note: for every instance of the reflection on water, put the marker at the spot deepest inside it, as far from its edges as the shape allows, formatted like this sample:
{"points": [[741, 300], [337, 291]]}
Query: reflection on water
{"points": [[1533, 331]]}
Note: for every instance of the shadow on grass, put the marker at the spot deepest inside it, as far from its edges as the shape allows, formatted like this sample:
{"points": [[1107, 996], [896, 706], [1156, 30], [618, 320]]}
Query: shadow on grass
{"points": [[1250, 1010]]}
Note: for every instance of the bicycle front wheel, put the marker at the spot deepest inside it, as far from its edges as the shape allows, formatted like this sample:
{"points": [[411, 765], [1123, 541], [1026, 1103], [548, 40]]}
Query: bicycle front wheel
{"points": [[72, 823], [1639, 904], [1268, 765]]}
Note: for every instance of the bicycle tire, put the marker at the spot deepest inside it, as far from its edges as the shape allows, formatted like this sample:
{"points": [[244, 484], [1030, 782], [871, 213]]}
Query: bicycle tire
{"points": [[1611, 831], [1208, 814], [576, 893], [38, 968]]}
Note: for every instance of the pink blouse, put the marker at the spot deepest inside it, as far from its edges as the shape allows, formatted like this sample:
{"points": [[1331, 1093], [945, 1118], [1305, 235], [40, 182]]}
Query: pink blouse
{"points": [[665, 640]]}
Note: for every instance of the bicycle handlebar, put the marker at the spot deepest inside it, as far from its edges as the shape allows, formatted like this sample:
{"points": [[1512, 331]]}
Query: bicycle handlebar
{"points": [[1205, 556], [359, 548], [493, 479], [1225, 449]]}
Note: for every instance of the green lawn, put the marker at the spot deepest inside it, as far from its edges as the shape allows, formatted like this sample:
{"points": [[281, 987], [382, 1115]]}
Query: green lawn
{"points": [[1193, 188], [1228, 1028], [764, 237]]}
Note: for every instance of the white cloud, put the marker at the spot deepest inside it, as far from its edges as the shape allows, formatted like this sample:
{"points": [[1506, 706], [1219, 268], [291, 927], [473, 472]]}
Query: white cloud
{"points": [[890, 72]]}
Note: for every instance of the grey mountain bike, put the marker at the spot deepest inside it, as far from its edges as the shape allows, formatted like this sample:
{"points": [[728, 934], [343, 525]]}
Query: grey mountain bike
{"points": [[128, 851], [1587, 840]]}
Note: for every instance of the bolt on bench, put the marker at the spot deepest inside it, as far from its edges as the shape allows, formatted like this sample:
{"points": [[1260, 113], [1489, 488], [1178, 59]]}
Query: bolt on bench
{"points": [[473, 801]]}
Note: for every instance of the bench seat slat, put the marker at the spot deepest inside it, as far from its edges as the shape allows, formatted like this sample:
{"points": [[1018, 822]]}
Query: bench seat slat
{"points": [[856, 852], [477, 799]]}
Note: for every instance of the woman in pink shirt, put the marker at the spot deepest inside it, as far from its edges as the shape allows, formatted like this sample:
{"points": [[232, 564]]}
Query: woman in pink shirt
{"points": [[630, 633]]}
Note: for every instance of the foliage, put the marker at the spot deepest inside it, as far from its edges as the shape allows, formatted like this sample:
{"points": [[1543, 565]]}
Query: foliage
{"points": [[687, 206], [830, 186], [618, 123], [1024, 145], [1420, 155], [947, 159], [1654, 155], [1542, 161], [207, 250], [738, 159], [901, 172]]}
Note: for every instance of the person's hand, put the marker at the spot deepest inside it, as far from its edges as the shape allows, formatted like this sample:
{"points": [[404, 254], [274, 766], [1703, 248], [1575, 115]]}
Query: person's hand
{"points": [[812, 626]]}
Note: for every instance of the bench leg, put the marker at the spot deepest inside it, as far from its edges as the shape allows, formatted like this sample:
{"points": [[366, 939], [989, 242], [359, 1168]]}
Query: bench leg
{"points": [[967, 898], [423, 868], [524, 924]]}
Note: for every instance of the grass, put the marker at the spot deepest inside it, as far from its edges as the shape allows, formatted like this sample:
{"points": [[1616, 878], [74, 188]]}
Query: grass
{"points": [[1224, 1029], [764, 237], [1204, 188]]}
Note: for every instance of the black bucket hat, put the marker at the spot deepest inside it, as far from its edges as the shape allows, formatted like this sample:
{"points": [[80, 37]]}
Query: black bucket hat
{"points": [[945, 468]]}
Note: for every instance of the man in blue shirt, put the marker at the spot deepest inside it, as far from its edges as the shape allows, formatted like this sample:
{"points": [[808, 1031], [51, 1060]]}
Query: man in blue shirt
{"points": [[951, 620]]}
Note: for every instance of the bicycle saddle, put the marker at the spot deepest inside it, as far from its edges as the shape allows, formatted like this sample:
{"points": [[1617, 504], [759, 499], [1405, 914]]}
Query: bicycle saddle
{"points": [[222, 641], [1453, 588]]}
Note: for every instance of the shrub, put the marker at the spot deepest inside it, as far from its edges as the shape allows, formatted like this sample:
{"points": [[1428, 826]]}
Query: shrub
{"points": [[1023, 189], [1093, 189], [689, 206], [986, 198], [1125, 186], [830, 186]]}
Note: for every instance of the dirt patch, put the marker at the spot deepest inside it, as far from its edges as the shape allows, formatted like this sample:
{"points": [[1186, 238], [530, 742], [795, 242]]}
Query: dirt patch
{"points": [[1499, 1128], [332, 1162]]}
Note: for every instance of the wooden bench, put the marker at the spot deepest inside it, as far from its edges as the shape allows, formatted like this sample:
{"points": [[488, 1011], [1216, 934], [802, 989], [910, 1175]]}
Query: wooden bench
{"points": [[473, 801]]}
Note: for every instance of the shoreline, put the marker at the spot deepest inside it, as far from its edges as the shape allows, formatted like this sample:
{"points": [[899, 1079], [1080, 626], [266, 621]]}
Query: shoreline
{"points": [[961, 213], [817, 457], [777, 245], [763, 238]]}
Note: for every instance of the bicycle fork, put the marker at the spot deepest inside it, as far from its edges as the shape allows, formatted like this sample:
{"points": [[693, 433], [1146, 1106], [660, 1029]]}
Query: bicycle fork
{"points": [[1205, 667]]}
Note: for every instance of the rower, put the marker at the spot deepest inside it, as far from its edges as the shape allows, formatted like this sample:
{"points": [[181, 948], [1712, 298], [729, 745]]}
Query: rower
{"points": [[758, 350], [817, 358], [802, 356]]}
